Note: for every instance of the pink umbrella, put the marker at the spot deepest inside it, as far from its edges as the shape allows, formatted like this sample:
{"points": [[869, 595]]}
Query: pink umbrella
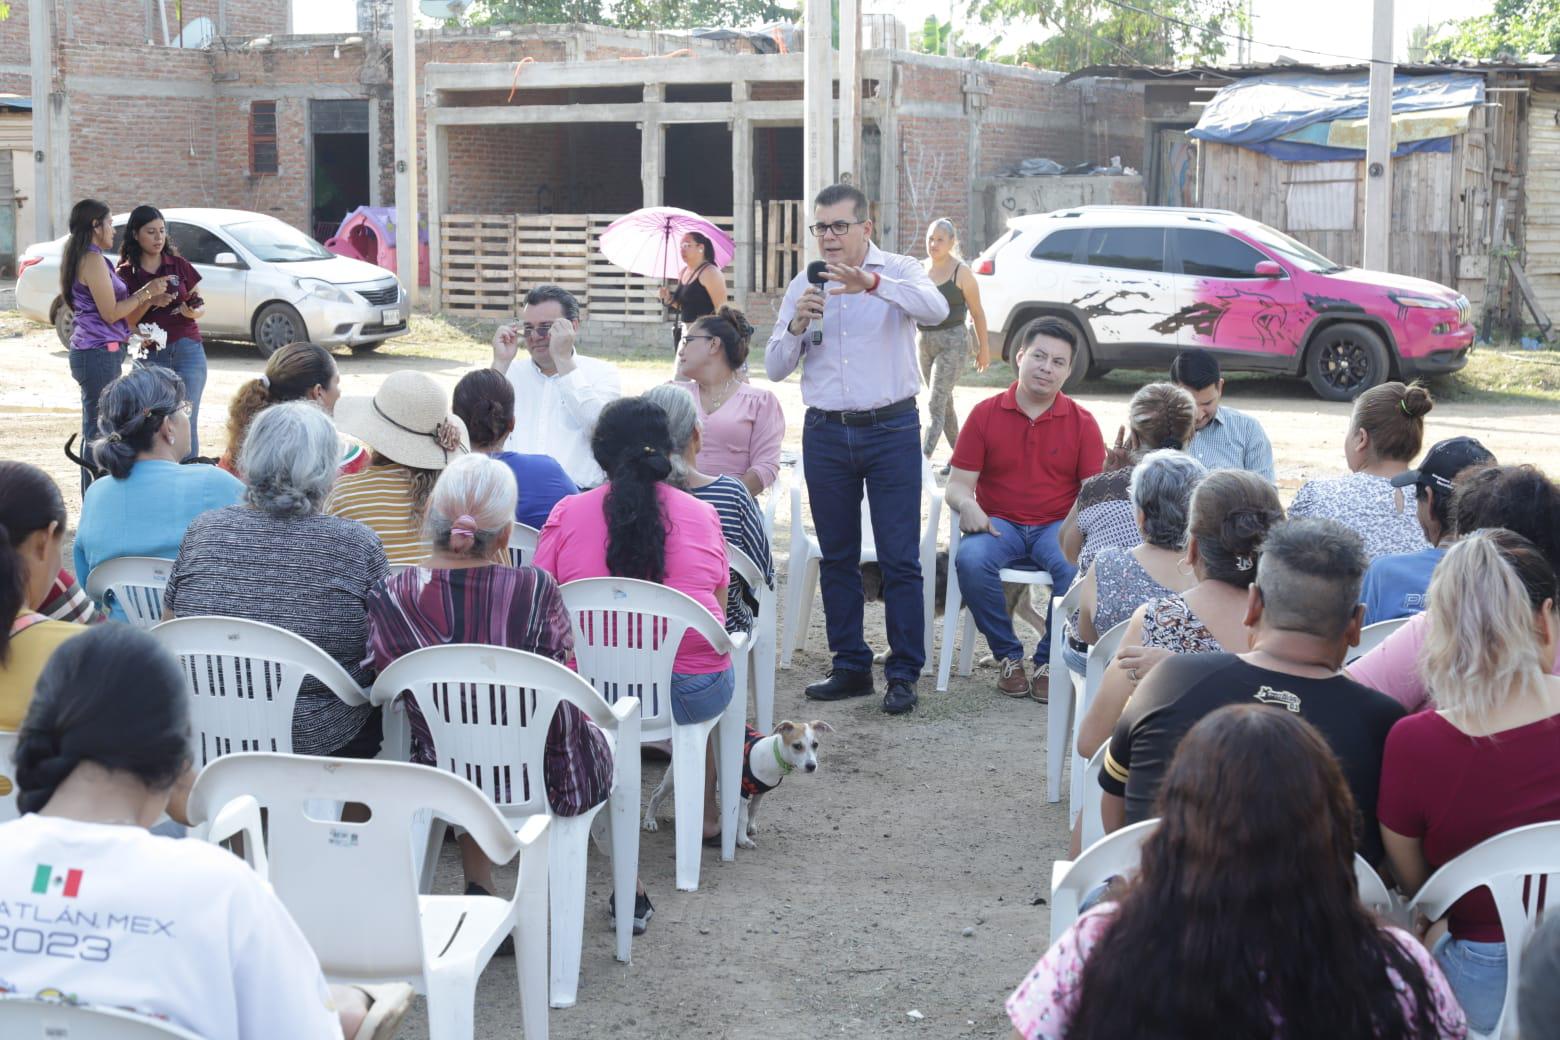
{"points": [[647, 241]]}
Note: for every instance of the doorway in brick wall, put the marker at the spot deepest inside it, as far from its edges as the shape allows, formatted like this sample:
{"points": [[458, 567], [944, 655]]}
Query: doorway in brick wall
{"points": [[341, 172], [698, 168]]}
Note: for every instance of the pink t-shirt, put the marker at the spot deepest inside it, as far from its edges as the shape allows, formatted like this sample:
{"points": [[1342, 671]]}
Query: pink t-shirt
{"points": [[573, 545], [1393, 667], [1042, 1006], [742, 434]]}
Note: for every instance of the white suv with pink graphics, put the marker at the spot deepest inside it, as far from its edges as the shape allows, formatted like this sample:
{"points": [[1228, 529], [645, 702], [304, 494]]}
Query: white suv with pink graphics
{"points": [[1142, 282]]}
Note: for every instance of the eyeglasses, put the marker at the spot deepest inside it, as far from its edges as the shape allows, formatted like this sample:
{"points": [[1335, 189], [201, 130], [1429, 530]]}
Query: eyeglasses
{"points": [[541, 331], [689, 339], [838, 228]]}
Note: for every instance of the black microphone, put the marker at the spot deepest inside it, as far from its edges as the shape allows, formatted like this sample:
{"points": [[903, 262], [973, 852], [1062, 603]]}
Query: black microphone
{"points": [[815, 272]]}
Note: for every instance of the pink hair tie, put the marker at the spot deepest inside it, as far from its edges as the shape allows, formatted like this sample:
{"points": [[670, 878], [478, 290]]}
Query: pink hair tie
{"points": [[463, 532]]}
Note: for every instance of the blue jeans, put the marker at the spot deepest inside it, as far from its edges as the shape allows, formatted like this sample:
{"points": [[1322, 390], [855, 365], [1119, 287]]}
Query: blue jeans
{"points": [[187, 357], [885, 458], [980, 558], [93, 370], [701, 697], [1477, 974]]}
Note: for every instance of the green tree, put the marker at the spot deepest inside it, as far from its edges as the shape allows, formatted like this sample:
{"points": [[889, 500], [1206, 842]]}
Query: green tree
{"points": [[1514, 29], [631, 14], [1138, 32]]}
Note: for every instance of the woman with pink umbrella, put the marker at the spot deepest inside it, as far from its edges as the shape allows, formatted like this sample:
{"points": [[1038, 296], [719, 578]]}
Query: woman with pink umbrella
{"points": [[667, 242], [701, 288]]}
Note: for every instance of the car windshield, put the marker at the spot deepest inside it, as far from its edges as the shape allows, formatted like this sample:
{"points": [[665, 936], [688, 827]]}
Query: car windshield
{"points": [[275, 242], [1295, 252]]}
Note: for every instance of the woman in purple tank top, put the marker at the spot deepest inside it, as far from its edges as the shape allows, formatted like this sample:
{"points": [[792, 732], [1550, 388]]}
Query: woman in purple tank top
{"points": [[104, 309]]}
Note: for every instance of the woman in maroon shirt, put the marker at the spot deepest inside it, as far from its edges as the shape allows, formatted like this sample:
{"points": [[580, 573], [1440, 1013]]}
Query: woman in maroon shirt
{"points": [[149, 253]]}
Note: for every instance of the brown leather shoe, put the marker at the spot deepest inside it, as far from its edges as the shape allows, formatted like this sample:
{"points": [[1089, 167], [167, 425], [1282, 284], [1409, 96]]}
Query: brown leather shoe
{"points": [[1040, 685], [1013, 681]]}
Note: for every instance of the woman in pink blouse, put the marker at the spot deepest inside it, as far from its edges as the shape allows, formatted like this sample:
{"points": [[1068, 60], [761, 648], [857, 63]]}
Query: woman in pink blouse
{"points": [[743, 425], [1244, 918]]}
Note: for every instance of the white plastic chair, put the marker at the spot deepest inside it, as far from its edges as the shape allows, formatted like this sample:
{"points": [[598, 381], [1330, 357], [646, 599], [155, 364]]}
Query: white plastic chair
{"points": [[488, 709], [8, 810], [626, 635], [522, 544], [1063, 688], [954, 605], [135, 583], [1100, 656], [1519, 867], [353, 887], [1092, 818], [243, 679], [1118, 855], [1372, 636], [761, 641], [23, 1018], [801, 585]]}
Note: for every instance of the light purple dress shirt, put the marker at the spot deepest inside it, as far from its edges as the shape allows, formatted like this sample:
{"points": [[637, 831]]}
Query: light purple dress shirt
{"points": [[868, 355]]}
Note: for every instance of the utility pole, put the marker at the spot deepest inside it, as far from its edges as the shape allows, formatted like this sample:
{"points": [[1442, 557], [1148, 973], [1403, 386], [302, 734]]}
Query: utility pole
{"points": [[1378, 143], [817, 107], [40, 22], [404, 83], [850, 91]]}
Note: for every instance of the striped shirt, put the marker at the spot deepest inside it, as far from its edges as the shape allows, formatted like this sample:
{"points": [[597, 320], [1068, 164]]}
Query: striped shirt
{"points": [[743, 526], [1233, 440], [308, 574], [515, 607], [380, 497]]}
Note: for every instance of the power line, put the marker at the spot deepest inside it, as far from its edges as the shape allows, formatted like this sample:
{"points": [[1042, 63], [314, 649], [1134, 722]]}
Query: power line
{"points": [[1247, 39]]}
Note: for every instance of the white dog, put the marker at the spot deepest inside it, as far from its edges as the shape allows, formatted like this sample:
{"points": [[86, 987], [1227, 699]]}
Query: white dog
{"points": [[765, 762]]}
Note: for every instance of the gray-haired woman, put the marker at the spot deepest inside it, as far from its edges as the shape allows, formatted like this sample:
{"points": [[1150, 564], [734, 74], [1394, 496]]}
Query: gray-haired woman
{"points": [[279, 559], [1121, 580], [945, 347]]}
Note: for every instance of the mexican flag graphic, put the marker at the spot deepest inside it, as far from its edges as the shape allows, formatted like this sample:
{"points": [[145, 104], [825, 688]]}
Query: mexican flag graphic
{"points": [[46, 881]]}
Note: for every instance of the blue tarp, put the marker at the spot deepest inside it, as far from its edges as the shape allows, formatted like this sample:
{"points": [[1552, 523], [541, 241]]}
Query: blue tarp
{"points": [[1256, 113]]}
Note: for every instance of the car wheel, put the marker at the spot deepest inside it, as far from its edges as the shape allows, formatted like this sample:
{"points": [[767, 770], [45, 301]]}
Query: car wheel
{"points": [[64, 323], [1345, 360], [276, 325], [1083, 359]]}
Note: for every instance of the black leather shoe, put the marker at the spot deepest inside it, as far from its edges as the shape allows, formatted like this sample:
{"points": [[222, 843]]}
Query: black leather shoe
{"points": [[900, 698], [840, 685]]}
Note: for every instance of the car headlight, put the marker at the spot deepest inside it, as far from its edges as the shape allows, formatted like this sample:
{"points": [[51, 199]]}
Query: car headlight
{"points": [[324, 290], [1424, 301]]}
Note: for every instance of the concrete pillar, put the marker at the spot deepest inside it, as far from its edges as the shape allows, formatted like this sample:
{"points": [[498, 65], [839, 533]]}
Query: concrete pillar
{"points": [[51, 173], [817, 109], [850, 91], [887, 230], [404, 83], [741, 195], [438, 196], [652, 147], [1378, 143]]}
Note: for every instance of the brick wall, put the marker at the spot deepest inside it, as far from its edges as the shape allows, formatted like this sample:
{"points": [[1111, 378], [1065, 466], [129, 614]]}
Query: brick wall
{"points": [[16, 49], [120, 22]]}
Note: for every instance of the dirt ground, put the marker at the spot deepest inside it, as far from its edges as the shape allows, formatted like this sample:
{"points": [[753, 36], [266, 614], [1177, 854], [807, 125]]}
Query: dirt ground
{"points": [[898, 892]]}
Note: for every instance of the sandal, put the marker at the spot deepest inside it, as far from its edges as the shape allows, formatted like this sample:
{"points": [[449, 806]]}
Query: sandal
{"points": [[387, 1005]]}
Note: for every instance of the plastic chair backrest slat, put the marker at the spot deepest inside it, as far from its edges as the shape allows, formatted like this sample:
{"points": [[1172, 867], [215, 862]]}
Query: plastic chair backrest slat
{"points": [[522, 544], [135, 583]]}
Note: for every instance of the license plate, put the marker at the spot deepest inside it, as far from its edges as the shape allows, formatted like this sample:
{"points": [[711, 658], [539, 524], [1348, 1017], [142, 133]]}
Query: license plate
{"points": [[390, 317]]}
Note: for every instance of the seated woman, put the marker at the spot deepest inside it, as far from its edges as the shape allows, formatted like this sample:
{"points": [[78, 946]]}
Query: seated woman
{"points": [[32, 546], [1122, 580], [149, 500], [1517, 498], [278, 558], [1484, 761], [740, 520], [1385, 434], [637, 526], [103, 753], [1249, 878], [1232, 510], [742, 424], [485, 402], [296, 372], [468, 594], [1160, 415], [413, 435]]}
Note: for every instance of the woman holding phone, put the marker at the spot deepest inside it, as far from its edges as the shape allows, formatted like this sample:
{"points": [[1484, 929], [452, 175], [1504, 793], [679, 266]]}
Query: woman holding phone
{"points": [[149, 254], [104, 308]]}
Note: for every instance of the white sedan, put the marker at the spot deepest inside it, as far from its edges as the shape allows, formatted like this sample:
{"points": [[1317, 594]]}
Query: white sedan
{"points": [[262, 280]]}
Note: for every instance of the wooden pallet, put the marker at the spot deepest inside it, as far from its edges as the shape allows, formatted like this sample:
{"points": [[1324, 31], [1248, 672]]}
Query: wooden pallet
{"points": [[479, 272], [552, 249], [616, 295]]}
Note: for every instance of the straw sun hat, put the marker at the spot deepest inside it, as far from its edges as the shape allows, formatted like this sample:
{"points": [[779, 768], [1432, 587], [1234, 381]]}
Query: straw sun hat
{"points": [[407, 421]]}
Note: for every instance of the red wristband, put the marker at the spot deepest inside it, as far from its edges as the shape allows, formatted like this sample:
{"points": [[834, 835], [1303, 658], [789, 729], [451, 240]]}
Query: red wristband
{"points": [[877, 280]]}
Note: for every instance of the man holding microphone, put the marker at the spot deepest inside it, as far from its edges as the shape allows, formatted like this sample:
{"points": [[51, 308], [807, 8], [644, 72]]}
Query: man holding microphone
{"points": [[859, 382]]}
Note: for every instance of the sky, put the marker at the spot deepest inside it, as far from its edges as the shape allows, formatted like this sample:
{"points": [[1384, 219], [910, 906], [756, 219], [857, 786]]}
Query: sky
{"points": [[1279, 26]]}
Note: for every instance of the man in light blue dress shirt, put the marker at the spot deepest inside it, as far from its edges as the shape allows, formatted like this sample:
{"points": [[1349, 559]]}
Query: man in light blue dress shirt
{"points": [[1225, 438], [861, 431]]}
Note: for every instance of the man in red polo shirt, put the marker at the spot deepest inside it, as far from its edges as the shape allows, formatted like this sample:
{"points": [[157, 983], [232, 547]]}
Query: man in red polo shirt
{"points": [[1015, 472]]}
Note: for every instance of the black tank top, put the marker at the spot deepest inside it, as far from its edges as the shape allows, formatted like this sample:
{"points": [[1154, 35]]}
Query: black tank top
{"points": [[692, 299], [957, 308]]}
